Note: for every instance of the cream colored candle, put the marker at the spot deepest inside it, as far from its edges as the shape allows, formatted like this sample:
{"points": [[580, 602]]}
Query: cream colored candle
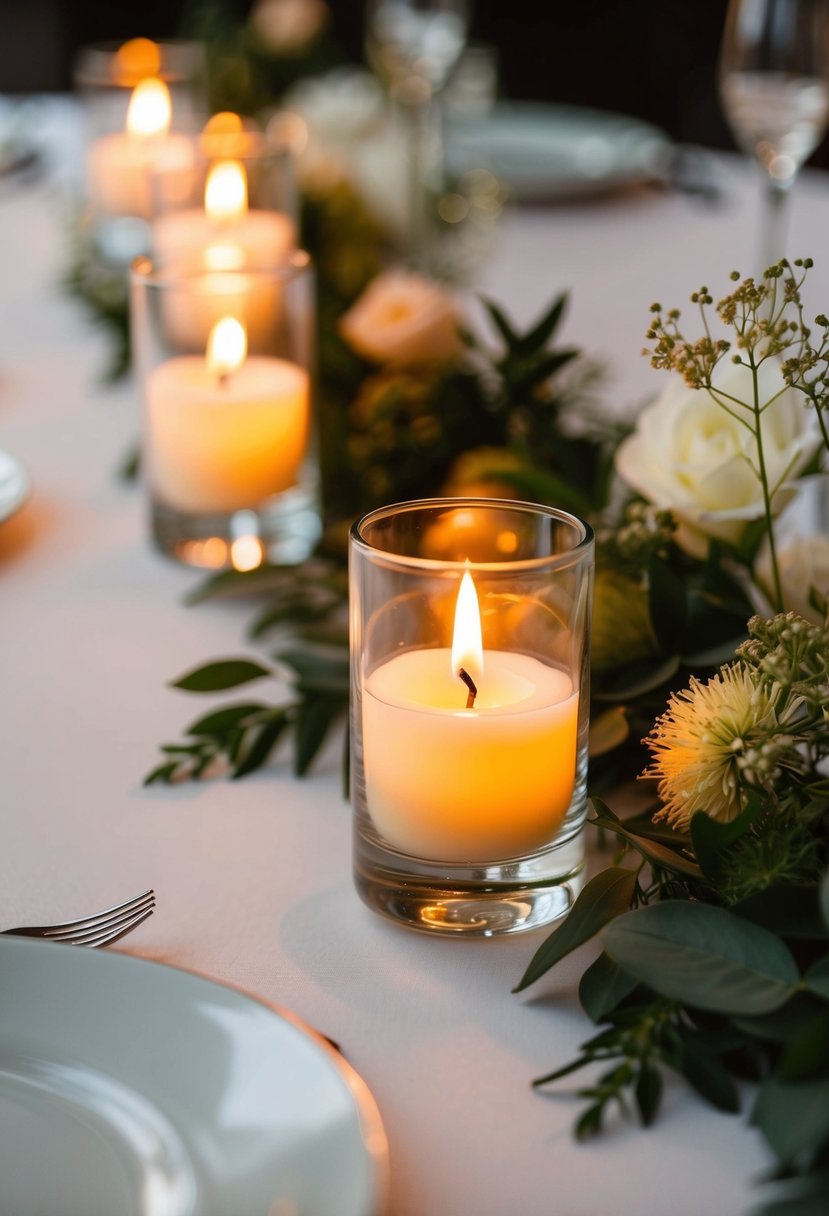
{"points": [[224, 433], [460, 784], [118, 164], [224, 237]]}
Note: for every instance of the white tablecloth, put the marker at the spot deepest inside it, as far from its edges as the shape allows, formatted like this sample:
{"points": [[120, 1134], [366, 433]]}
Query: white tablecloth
{"points": [[253, 878]]}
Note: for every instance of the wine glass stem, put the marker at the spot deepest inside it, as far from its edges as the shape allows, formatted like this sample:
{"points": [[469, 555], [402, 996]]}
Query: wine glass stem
{"points": [[422, 118], [774, 223]]}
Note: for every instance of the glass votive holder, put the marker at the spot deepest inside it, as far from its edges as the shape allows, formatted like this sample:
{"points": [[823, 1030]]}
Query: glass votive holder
{"points": [[469, 712], [225, 364], [140, 99], [234, 205]]}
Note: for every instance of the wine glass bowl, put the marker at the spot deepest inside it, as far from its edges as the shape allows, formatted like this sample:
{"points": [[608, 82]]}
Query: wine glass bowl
{"points": [[774, 86], [421, 38]]}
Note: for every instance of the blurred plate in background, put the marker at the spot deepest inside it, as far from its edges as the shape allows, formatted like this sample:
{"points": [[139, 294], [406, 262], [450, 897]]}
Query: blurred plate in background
{"points": [[549, 153]]}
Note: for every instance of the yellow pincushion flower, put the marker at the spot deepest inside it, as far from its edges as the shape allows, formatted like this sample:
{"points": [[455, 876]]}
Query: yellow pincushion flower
{"points": [[714, 741]]}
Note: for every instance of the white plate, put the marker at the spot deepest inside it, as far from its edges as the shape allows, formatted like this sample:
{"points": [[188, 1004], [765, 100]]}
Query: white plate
{"points": [[558, 152], [14, 485], [128, 1088]]}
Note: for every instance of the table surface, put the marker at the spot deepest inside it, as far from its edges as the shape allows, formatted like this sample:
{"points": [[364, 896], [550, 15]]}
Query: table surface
{"points": [[253, 879]]}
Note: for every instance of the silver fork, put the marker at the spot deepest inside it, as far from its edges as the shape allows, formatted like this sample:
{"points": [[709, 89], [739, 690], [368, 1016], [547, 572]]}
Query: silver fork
{"points": [[99, 930]]}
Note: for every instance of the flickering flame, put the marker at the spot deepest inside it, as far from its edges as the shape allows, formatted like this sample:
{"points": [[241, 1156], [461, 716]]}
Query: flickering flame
{"points": [[226, 191], [136, 60], [467, 642], [223, 123], [227, 347], [149, 111]]}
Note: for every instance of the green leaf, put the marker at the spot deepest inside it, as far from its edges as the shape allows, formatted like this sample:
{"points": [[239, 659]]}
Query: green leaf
{"points": [[543, 330], [667, 606], [648, 1092], [264, 740], [163, 774], [589, 1123], [542, 485], [708, 1076], [219, 721], [605, 896], [704, 957], [243, 582], [794, 1118], [786, 909], [805, 1196], [501, 323], [816, 978], [785, 1023], [602, 987], [608, 730], [806, 1054], [226, 673], [323, 669], [661, 855], [564, 1071], [824, 899], [313, 720], [712, 839], [631, 682]]}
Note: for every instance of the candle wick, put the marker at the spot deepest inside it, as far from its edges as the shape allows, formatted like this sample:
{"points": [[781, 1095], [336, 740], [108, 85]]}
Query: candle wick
{"points": [[470, 684]]}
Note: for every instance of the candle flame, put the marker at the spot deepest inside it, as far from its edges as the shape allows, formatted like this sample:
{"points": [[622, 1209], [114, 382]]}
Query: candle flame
{"points": [[149, 111], [467, 641], [227, 347], [226, 191], [136, 60]]}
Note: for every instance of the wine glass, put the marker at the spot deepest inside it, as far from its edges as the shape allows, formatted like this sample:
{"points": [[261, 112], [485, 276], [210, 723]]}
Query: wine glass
{"points": [[774, 84], [413, 46]]}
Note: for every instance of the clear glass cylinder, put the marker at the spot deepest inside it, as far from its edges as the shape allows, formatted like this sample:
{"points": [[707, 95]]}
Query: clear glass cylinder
{"points": [[469, 712], [140, 102], [225, 363], [233, 205]]}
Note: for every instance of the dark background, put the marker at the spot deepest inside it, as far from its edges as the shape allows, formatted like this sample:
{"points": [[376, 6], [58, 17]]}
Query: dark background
{"points": [[655, 59]]}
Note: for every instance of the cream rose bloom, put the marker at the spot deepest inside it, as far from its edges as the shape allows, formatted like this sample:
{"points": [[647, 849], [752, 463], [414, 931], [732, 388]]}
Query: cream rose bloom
{"points": [[403, 320], [691, 456]]}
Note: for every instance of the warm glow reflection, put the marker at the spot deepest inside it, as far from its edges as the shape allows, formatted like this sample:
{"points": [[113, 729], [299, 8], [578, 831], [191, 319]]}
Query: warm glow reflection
{"points": [[226, 191], [223, 123], [135, 60], [467, 642], [227, 347], [149, 110], [247, 552], [224, 257]]}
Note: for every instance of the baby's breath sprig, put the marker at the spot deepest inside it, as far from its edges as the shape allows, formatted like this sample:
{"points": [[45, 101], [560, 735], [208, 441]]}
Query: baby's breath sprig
{"points": [[767, 319]]}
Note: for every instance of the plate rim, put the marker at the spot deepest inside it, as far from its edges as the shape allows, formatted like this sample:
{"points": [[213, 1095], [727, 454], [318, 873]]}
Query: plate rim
{"points": [[372, 1130]]}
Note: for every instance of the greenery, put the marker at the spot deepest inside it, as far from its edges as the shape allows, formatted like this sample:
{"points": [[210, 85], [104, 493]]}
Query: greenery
{"points": [[713, 921]]}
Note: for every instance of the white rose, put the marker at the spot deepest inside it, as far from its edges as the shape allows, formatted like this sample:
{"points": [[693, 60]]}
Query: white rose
{"points": [[402, 319], [690, 455], [344, 105]]}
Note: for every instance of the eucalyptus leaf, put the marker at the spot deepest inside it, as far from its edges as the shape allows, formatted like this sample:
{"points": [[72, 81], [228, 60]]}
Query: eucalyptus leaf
{"points": [[605, 896], [648, 1092], [631, 682], [259, 748], [806, 1054], [661, 855], [805, 1196], [603, 986], [667, 605], [163, 774], [824, 899], [703, 956], [794, 1118], [784, 1023], [243, 582], [226, 673], [712, 839], [314, 718], [816, 978], [708, 1076], [219, 721]]}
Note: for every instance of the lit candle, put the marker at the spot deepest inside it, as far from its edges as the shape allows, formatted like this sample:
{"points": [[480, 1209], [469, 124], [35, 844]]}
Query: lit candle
{"points": [[118, 164], [225, 431], [226, 234], [468, 755]]}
